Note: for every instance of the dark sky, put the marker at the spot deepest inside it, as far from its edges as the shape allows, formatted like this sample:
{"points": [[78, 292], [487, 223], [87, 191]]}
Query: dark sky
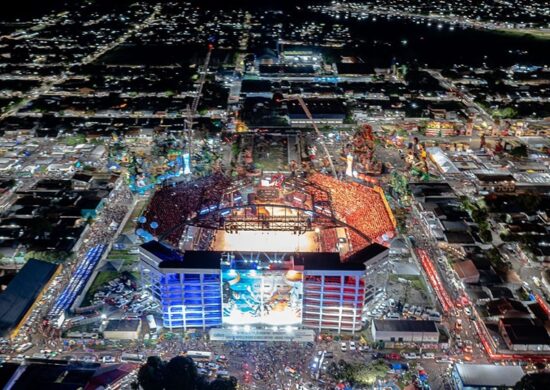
{"points": [[29, 7]]}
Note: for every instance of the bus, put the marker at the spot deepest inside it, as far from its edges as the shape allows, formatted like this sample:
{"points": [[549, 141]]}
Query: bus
{"points": [[132, 358], [24, 347], [151, 323], [199, 356]]}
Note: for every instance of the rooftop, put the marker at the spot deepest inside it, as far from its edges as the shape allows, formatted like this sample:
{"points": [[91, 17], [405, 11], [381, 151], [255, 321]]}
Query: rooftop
{"points": [[525, 331], [488, 375], [405, 326], [122, 326], [22, 291]]}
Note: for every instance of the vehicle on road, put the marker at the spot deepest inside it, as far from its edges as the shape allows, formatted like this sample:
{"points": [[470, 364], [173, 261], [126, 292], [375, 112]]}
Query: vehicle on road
{"points": [[393, 356], [458, 325]]}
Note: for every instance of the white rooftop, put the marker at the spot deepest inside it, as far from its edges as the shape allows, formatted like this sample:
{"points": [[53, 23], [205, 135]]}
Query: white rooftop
{"points": [[489, 375]]}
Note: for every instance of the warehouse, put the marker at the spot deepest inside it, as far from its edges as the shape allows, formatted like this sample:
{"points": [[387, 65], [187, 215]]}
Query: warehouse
{"points": [[122, 330], [405, 331], [22, 292], [485, 376]]}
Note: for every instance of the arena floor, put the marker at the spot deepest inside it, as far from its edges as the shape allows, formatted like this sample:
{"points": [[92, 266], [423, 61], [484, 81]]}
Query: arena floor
{"points": [[260, 241]]}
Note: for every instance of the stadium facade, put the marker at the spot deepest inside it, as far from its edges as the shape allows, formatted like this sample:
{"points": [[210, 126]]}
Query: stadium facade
{"points": [[259, 290]]}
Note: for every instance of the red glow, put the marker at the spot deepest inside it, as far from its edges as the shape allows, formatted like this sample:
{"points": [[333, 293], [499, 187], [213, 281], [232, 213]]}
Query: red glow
{"points": [[434, 280]]}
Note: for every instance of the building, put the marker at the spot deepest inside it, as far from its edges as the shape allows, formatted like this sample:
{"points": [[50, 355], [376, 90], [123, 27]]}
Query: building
{"points": [[524, 334], [485, 376], [323, 111], [489, 182], [506, 308], [209, 289], [405, 331], [336, 294], [122, 330], [18, 298], [467, 271], [60, 374], [188, 289]]}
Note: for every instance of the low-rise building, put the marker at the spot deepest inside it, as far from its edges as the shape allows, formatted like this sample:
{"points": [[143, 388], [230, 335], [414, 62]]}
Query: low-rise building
{"points": [[485, 376], [495, 182], [467, 271], [122, 330], [405, 331], [524, 334], [23, 291]]}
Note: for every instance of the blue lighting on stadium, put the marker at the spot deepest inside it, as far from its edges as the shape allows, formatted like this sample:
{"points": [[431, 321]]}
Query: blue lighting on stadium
{"points": [[190, 300]]}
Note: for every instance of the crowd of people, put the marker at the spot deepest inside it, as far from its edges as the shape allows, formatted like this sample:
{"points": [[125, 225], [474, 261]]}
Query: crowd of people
{"points": [[269, 365], [101, 231], [173, 205], [112, 215], [359, 206]]}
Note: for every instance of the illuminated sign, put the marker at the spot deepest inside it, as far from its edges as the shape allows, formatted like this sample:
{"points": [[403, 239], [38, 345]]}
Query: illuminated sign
{"points": [[262, 297]]}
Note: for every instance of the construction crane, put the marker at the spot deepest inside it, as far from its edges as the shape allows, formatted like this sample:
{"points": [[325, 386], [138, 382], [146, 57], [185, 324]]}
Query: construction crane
{"points": [[192, 111], [319, 134]]}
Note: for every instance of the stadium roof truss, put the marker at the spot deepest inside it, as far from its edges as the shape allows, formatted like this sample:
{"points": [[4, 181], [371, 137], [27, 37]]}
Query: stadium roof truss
{"points": [[315, 213]]}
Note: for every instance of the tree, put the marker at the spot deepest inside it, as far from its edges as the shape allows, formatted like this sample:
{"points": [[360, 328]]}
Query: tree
{"points": [[49, 256], [181, 373], [150, 375], [486, 235], [519, 151], [223, 384], [530, 202], [536, 381]]}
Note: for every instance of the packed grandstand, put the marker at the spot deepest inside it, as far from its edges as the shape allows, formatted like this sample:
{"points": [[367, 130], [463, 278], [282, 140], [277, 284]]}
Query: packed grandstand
{"points": [[323, 202]]}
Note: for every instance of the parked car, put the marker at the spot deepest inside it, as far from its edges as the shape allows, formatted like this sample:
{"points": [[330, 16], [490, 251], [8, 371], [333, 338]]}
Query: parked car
{"points": [[393, 356]]}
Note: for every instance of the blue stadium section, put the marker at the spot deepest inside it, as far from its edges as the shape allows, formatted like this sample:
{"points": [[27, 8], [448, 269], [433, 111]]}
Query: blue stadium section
{"points": [[190, 300], [78, 281]]}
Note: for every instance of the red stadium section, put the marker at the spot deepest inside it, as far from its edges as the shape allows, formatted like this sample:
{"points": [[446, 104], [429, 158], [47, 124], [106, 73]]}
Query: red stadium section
{"points": [[362, 207]]}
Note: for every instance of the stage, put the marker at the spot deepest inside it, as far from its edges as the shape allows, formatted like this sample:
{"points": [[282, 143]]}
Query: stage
{"points": [[266, 241]]}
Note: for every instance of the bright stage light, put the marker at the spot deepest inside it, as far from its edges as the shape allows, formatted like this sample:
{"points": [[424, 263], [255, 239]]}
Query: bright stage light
{"points": [[272, 241]]}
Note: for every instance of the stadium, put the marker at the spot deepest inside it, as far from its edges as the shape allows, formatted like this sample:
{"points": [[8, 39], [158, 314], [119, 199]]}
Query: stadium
{"points": [[270, 252]]}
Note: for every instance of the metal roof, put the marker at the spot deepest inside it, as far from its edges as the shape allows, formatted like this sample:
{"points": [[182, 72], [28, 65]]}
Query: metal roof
{"points": [[489, 375], [405, 326], [22, 291]]}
